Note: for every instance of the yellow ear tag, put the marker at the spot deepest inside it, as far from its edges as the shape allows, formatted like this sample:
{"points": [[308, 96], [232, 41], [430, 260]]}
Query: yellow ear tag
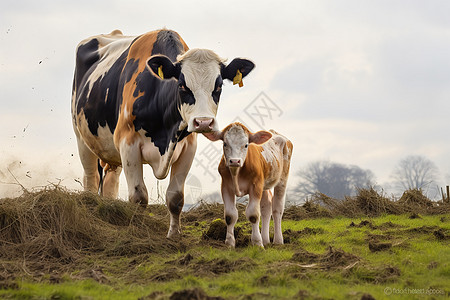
{"points": [[160, 72], [238, 79]]}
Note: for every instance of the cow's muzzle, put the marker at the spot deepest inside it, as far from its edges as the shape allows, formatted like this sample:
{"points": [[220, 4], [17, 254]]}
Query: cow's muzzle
{"points": [[203, 124]]}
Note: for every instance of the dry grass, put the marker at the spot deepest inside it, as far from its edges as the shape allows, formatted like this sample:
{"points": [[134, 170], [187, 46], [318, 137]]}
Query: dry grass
{"points": [[54, 228], [367, 203]]}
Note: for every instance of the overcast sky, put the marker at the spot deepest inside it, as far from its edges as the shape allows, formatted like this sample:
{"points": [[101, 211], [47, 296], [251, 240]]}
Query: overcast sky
{"points": [[365, 83]]}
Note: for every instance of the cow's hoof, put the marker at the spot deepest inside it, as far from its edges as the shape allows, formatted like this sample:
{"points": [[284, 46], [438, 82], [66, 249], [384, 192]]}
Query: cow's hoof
{"points": [[174, 234]]}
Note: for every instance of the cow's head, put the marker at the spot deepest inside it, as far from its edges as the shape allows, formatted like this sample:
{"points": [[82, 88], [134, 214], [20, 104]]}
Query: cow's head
{"points": [[200, 74], [236, 138]]}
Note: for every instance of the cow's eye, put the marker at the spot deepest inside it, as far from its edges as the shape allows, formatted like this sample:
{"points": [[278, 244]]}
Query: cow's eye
{"points": [[182, 87], [225, 144], [218, 89], [246, 145]]}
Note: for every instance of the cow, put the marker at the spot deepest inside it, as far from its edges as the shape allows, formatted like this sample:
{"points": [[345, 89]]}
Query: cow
{"points": [[142, 100], [254, 163]]}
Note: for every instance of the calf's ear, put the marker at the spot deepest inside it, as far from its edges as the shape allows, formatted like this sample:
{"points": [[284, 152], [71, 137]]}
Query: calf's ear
{"points": [[260, 137], [244, 66], [163, 67], [214, 135]]}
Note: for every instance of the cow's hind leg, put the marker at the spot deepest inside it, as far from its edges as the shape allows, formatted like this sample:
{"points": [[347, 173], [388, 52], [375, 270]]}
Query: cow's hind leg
{"points": [[266, 213], [89, 161], [111, 183]]}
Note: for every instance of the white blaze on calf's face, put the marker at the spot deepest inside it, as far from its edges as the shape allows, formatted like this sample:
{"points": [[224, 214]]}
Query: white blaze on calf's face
{"points": [[235, 146]]}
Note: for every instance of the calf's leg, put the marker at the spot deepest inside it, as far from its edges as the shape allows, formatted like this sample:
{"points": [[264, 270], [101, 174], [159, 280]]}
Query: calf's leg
{"points": [[266, 213], [230, 214], [277, 211], [253, 214]]}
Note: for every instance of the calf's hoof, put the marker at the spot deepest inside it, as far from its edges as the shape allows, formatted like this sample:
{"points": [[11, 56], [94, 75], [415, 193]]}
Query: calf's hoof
{"points": [[258, 243], [278, 241], [230, 241]]}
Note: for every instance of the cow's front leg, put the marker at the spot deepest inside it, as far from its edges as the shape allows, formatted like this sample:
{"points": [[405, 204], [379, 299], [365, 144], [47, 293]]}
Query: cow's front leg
{"points": [[253, 213], [131, 157], [266, 213], [175, 190], [230, 214]]}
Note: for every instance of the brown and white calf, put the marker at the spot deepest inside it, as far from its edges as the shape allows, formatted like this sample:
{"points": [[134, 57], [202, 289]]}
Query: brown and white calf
{"points": [[254, 163]]}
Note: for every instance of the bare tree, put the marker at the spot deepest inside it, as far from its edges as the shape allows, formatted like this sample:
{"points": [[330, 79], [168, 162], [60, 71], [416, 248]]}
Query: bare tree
{"points": [[415, 172], [332, 179]]}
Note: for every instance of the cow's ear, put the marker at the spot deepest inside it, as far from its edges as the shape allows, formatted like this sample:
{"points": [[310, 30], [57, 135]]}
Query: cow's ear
{"points": [[214, 135], [244, 66], [260, 137], [163, 67]]}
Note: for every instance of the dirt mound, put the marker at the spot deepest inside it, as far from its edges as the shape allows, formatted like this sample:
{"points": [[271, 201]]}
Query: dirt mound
{"points": [[332, 259], [363, 223], [219, 266], [192, 294], [369, 224], [52, 228], [374, 274], [217, 231], [379, 246], [442, 234], [289, 234]]}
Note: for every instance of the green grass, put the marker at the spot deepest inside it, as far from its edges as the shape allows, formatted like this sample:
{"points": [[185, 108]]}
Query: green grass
{"points": [[418, 262]]}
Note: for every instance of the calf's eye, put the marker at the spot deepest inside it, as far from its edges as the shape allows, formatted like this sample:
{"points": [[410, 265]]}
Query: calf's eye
{"points": [[246, 145]]}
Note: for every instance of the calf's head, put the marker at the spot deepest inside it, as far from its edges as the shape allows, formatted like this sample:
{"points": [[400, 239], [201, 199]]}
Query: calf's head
{"points": [[236, 139], [200, 74]]}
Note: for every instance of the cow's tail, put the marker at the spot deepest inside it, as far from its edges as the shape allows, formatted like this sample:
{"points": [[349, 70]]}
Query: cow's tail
{"points": [[100, 184]]}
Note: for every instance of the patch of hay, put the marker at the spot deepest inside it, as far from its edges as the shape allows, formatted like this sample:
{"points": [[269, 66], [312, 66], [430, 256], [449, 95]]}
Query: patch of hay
{"points": [[415, 201], [53, 228], [372, 204], [204, 211]]}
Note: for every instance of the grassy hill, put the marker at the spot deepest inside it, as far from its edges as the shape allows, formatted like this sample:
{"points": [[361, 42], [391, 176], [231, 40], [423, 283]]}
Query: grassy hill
{"points": [[61, 245]]}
